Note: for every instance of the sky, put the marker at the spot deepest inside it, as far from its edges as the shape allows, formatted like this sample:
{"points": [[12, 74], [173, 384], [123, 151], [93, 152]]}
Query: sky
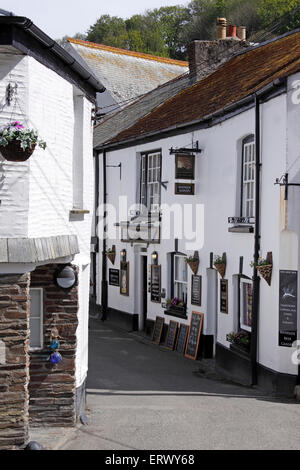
{"points": [[59, 18]]}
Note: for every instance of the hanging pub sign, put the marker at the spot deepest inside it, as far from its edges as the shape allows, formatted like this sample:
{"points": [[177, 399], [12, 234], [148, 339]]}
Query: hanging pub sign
{"points": [[193, 340], [185, 189], [184, 167], [224, 296], [114, 277], [287, 307], [196, 290], [155, 288], [124, 275]]}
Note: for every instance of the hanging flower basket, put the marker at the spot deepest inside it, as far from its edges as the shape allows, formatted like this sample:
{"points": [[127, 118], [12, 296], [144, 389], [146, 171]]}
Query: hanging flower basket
{"points": [[17, 143], [111, 255], [266, 272], [220, 265], [193, 262]]}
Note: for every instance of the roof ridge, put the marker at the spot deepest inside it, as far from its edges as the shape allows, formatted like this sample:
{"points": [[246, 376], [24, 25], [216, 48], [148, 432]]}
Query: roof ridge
{"points": [[140, 55]]}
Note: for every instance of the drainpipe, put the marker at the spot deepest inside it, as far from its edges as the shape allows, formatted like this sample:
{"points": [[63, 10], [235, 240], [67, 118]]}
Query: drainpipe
{"points": [[104, 259], [256, 279]]}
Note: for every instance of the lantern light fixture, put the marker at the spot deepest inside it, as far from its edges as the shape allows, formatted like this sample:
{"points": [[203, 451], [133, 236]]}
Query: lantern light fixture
{"points": [[123, 255], [66, 277], [154, 257]]}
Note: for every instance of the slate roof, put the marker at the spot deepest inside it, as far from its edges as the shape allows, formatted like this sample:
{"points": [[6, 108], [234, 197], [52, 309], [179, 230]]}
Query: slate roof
{"points": [[240, 77], [126, 74]]}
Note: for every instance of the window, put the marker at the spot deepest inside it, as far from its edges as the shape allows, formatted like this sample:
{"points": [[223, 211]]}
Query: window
{"points": [[248, 178], [150, 180], [36, 318], [180, 278], [246, 299], [78, 150]]}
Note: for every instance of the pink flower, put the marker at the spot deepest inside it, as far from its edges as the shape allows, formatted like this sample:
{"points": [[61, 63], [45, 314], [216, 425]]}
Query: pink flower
{"points": [[17, 124]]}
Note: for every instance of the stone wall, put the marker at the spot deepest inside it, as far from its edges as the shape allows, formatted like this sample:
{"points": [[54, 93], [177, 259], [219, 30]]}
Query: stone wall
{"points": [[14, 361], [52, 387]]}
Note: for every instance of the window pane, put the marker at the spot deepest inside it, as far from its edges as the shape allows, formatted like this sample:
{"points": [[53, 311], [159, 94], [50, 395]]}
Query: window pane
{"points": [[36, 317], [246, 305]]}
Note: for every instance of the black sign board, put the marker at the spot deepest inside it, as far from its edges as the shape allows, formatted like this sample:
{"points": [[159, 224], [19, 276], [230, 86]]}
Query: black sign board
{"points": [[181, 338], [288, 293], [158, 329], [185, 167], [241, 220], [185, 189], [155, 283], [171, 335], [196, 290], [224, 296], [192, 345], [114, 277]]}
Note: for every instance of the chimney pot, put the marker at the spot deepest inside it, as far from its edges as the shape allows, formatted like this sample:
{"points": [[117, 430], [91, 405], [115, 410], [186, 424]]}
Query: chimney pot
{"points": [[221, 28], [231, 31], [241, 32]]}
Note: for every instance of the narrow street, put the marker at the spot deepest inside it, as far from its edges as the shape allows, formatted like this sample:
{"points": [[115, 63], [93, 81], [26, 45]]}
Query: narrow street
{"points": [[142, 396]]}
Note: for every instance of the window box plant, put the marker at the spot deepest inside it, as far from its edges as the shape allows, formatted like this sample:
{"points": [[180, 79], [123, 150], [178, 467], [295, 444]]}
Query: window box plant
{"points": [[176, 305], [220, 264], [18, 143], [240, 340]]}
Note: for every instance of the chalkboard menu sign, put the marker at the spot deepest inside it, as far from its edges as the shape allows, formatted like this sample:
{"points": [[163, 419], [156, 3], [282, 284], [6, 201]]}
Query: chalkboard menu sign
{"points": [[124, 271], [287, 307], [185, 189], [114, 277], [158, 329], [224, 296], [185, 167], [196, 290], [192, 345], [171, 335], [181, 338], [155, 283]]}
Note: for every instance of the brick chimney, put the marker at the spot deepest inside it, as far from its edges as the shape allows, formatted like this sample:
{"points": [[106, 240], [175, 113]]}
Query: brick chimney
{"points": [[206, 56]]}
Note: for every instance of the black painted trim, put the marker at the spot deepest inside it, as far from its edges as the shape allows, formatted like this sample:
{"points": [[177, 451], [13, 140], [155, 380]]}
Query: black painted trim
{"points": [[124, 320]]}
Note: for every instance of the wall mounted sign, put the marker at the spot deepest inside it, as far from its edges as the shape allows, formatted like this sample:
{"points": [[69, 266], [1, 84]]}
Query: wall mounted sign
{"points": [[114, 277], [155, 283], [196, 290], [185, 167], [171, 335], [288, 294], [224, 296], [158, 329], [124, 278], [195, 329], [185, 189], [241, 220], [181, 338]]}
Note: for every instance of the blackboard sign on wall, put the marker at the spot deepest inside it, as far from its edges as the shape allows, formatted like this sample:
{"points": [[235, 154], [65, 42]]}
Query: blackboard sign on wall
{"points": [[224, 296], [155, 283], [196, 290], [181, 338], [114, 277], [287, 307], [158, 329], [171, 335], [192, 344]]}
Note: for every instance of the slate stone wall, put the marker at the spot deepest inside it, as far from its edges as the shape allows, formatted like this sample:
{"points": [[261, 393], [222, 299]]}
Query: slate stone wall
{"points": [[14, 361], [52, 387]]}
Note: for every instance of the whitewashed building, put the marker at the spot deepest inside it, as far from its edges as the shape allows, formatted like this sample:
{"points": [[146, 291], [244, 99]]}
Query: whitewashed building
{"points": [[223, 156], [46, 210]]}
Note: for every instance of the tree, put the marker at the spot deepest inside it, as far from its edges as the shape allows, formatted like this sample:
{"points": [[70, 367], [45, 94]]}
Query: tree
{"points": [[283, 15], [109, 30]]}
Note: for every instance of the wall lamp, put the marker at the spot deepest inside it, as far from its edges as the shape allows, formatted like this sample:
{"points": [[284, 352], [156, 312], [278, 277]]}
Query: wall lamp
{"points": [[123, 255], [154, 257], [65, 277]]}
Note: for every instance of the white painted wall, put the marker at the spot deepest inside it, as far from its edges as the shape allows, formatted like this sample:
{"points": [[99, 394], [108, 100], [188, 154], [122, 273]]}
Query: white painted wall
{"points": [[37, 195], [216, 188]]}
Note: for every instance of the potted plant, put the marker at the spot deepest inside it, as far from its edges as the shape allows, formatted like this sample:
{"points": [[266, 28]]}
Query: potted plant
{"points": [[111, 254], [264, 266], [240, 340], [193, 262], [175, 304], [220, 264], [18, 143]]}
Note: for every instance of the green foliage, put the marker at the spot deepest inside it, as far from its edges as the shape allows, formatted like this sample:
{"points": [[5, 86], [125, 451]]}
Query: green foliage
{"points": [[167, 31], [16, 131]]}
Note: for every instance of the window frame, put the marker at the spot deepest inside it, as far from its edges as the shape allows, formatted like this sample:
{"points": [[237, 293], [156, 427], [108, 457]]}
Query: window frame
{"points": [[177, 281], [145, 195], [248, 141], [242, 325], [41, 290]]}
